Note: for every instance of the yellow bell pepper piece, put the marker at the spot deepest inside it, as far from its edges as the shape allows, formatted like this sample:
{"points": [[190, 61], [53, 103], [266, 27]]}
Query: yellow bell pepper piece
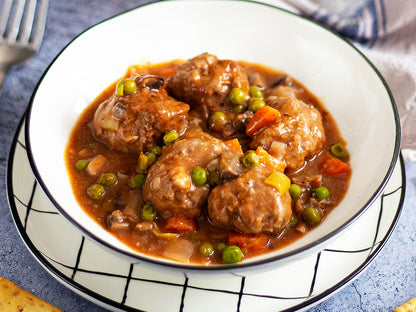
{"points": [[279, 180], [142, 163]]}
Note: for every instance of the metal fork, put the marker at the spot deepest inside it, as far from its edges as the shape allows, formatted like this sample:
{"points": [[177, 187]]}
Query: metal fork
{"points": [[22, 24]]}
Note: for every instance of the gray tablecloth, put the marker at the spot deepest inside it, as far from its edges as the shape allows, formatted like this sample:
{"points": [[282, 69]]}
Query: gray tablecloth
{"points": [[388, 282]]}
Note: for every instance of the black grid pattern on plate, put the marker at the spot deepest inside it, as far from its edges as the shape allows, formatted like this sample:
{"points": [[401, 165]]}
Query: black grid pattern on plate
{"points": [[51, 263]]}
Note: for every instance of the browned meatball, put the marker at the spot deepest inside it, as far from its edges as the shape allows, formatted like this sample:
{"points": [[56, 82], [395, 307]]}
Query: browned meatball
{"points": [[136, 122], [249, 205], [296, 135], [204, 82], [169, 186]]}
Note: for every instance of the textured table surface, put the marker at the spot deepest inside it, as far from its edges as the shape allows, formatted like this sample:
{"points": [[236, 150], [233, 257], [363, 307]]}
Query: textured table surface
{"points": [[389, 281]]}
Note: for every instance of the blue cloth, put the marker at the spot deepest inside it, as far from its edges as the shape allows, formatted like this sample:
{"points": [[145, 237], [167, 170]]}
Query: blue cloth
{"points": [[385, 31], [362, 21]]}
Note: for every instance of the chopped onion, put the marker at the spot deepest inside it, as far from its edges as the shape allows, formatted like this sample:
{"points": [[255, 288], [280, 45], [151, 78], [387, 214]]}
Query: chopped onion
{"points": [[179, 250], [164, 234], [95, 165], [110, 124]]}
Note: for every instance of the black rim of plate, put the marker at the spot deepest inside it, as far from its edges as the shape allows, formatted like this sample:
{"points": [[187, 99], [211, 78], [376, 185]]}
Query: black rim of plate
{"points": [[70, 282], [228, 267]]}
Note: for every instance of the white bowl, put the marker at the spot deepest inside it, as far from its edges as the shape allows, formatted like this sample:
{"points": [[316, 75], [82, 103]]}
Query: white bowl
{"points": [[343, 79]]}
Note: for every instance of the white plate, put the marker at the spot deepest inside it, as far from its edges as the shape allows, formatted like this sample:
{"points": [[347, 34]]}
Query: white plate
{"points": [[86, 267]]}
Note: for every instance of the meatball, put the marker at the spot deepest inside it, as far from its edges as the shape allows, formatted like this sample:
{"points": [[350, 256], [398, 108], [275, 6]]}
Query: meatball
{"points": [[296, 135], [204, 82], [249, 205], [169, 186], [136, 122]]}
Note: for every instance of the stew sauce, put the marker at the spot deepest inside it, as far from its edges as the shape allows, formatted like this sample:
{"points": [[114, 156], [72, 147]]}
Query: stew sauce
{"points": [[200, 234]]}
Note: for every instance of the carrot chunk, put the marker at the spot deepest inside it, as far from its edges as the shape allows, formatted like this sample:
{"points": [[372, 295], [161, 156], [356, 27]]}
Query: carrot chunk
{"points": [[270, 161], [234, 145], [263, 117], [248, 242], [180, 224], [334, 166]]}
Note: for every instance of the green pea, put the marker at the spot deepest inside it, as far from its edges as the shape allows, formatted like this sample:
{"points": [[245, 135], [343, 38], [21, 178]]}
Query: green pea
{"points": [[170, 137], [294, 220], [236, 96], [157, 150], [214, 177], [295, 191], [138, 180], [206, 249], [120, 88], [321, 193], [254, 104], [96, 191], [232, 254], [311, 216], [130, 86], [339, 151], [199, 176], [220, 246], [149, 212], [239, 109], [81, 164], [250, 159], [108, 179], [151, 159], [217, 120], [255, 92], [126, 86]]}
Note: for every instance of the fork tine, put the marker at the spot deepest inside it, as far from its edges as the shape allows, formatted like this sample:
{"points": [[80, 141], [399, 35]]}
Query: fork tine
{"points": [[26, 26], [40, 24], [16, 20], [4, 16]]}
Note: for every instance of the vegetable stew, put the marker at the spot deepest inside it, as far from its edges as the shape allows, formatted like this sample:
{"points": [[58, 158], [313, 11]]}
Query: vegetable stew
{"points": [[207, 161]]}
